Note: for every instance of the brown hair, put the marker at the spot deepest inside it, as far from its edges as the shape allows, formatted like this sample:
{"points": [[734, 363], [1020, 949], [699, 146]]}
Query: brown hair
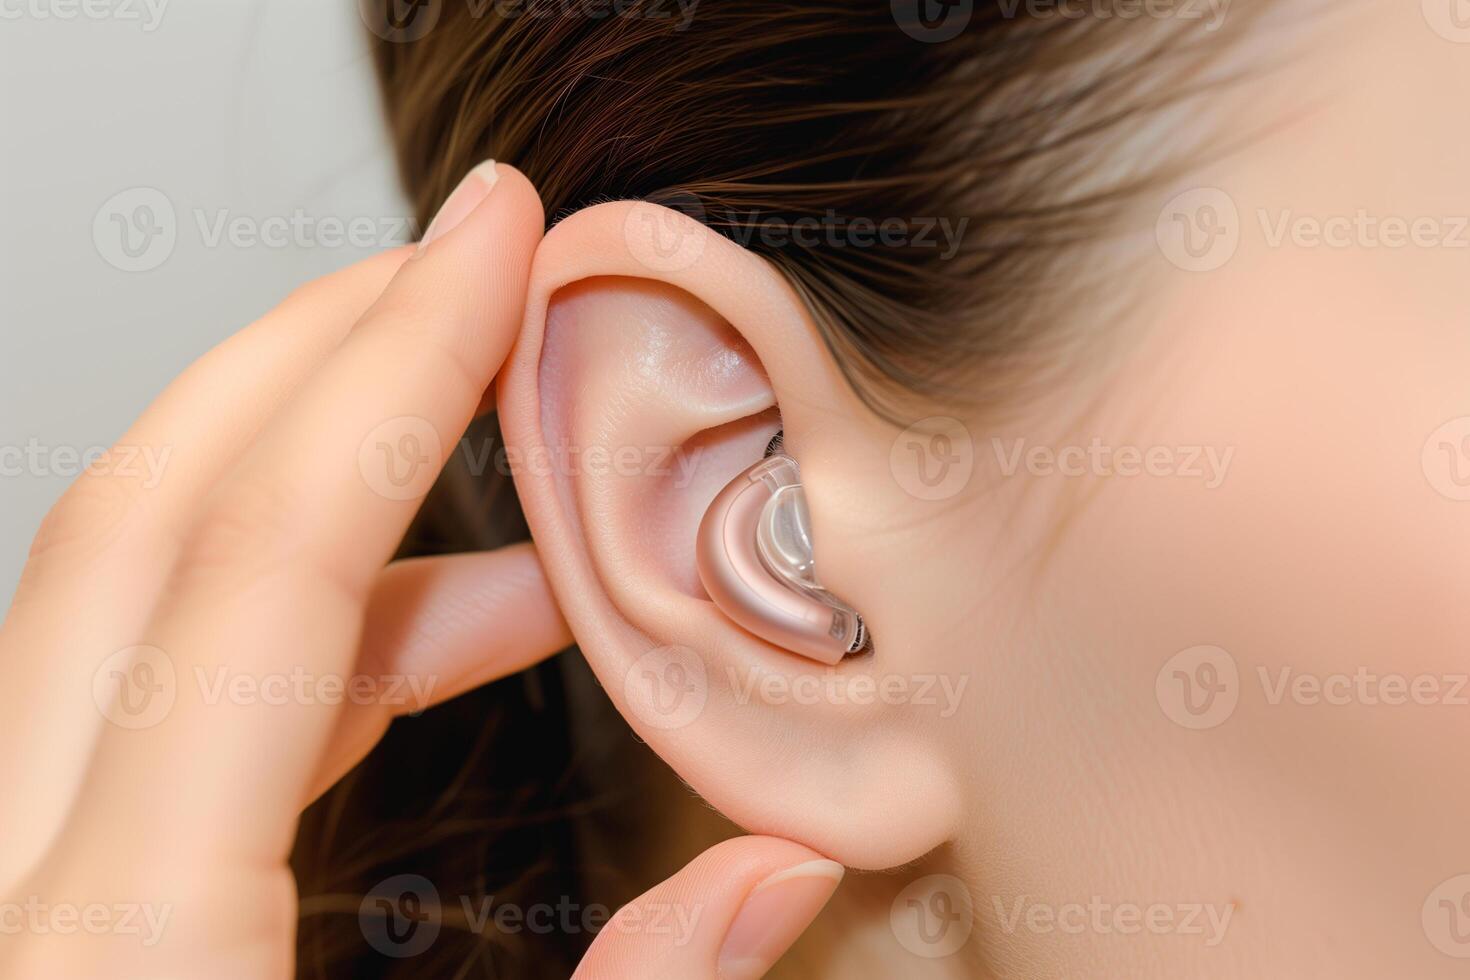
{"points": [[759, 117]]}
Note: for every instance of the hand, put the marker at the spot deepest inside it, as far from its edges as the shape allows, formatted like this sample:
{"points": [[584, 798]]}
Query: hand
{"points": [[159, 744]]}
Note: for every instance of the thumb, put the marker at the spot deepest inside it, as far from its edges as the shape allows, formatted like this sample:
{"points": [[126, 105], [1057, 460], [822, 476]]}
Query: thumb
{"points": [[728, 915]]}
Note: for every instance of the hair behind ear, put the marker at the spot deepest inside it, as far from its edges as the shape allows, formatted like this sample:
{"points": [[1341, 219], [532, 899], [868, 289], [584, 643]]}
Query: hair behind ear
{"points": [[931, 202]]}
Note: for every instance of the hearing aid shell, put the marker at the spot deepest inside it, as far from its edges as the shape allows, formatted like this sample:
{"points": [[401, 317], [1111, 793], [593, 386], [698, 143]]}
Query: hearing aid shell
{"points": [[754, 555]]}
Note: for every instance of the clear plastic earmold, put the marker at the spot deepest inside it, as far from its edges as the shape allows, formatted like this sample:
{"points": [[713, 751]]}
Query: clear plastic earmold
{"points": [[784, 543]]}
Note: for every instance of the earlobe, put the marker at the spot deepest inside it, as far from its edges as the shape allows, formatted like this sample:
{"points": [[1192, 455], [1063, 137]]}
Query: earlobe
{"points": [[640, 388]]}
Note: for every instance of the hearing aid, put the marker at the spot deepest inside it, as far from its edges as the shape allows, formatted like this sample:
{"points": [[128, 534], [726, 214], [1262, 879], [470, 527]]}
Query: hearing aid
{"points": [[754, 555]]}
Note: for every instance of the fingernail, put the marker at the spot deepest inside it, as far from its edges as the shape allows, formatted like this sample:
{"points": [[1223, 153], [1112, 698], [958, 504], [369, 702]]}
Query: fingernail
{"points": [[475, 187], [775, 913]]}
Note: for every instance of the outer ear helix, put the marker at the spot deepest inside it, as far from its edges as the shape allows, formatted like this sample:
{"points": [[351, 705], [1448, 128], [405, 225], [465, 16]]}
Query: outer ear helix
{"points": [[754, 555]]}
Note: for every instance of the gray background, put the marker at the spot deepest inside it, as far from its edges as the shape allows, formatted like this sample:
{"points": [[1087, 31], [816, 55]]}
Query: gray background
{"points": [[241, 110]]}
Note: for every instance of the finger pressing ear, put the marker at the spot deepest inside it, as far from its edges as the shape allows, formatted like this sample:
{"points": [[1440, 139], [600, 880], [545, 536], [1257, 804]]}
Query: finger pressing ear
{"points": [[436, 628], [730, 914]]}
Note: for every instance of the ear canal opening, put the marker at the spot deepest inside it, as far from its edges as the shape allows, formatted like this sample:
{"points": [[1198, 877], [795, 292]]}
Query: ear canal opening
{"points": [[777, 444]]}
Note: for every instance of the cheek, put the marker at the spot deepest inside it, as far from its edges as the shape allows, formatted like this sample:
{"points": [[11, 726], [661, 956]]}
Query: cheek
{"points": [[1338, 535], [1336, 375], [1329, 561]]}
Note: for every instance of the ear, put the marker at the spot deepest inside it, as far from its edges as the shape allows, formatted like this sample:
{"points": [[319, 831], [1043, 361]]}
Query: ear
{"points": [[656, 361]]}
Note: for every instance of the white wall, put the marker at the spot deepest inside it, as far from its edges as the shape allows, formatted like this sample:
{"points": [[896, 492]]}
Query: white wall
{"points": [[242, 109]]}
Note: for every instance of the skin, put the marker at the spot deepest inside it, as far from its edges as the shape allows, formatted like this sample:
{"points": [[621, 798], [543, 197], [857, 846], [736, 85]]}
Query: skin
{"points": [[1129, 777], [1095, 814], [187, 820]]}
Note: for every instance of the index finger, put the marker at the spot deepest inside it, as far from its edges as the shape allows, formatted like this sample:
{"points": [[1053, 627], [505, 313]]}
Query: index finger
{"points": [[274, 578], [343, 468]]}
